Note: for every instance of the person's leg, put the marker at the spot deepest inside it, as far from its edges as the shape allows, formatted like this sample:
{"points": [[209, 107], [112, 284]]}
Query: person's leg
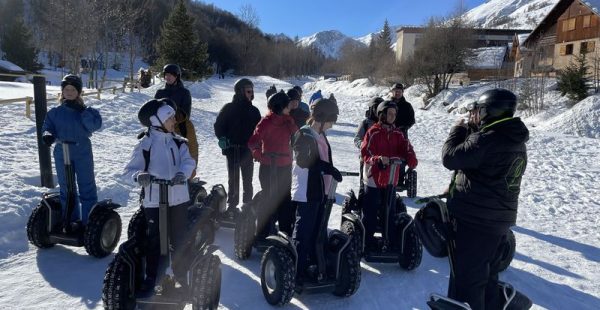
{"points": [[179, 237], [232, 191], [86, 184], [152, 246], [265, 208], [473, 253], [247, 167], [285, 212], [303, 232], [370, 204]]}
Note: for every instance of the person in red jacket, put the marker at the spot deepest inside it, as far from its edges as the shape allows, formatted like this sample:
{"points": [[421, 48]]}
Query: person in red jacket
{"points": [[270, 145], [382, 142]]}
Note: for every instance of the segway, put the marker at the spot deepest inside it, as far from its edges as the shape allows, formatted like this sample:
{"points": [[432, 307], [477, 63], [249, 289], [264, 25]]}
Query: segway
{"points": [[407, 181], [256, 222], [395, 235], [337, 270], [228, 220], [49, 224], [201, 286]]}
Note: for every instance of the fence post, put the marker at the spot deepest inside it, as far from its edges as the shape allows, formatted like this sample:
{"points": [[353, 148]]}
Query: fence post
{"points": [[28, 101], [98, 95], [39, 95]]}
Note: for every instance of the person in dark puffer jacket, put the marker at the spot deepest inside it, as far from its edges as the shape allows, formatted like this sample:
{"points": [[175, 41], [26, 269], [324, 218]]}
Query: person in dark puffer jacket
{"points": [[483, 198], [234, 125], [406, 114]]}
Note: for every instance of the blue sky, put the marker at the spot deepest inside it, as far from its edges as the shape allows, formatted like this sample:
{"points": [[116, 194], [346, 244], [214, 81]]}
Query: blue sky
{"points": [[352, 17]]}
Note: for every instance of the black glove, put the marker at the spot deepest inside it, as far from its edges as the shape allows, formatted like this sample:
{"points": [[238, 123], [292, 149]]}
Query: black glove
{"points": [[80, 107], [144, 178], [328, 168], [179, 178], [335, 173], [48, 139]]}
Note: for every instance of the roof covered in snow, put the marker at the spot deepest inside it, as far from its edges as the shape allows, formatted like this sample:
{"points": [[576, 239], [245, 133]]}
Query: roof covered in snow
{"points": [[487, 57], [9, 66]]}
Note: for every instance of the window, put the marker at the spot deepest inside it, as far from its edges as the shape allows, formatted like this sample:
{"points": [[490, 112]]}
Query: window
{"points": [[568, 24], [566, 49], [587, 21], [587, 47]]}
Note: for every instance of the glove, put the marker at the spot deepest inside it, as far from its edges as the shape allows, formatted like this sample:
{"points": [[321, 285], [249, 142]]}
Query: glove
{"points": [[412, 163], [223, 143], [48, 139], [179, 178], [79, 107], [335, 173], [257, 154], [144, 178]]}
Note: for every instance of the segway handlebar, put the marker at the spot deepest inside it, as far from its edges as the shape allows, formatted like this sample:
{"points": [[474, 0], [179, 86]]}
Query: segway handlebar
{"points": [[349, 173], [166, 182]]}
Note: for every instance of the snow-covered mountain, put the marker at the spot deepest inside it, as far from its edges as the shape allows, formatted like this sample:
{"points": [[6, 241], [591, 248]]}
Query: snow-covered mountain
{"points": [[329, 42], [513, 14]]}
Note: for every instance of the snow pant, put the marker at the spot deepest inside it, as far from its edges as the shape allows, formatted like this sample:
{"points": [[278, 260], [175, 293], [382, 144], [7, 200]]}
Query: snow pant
{"points": [[373, 209], [85, 195], [277, 199], [308, 216], [156, 265], [473, 280], [246, 166]]}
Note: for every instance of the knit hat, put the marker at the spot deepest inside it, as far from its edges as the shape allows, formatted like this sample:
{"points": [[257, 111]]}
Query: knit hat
{"points": [[73, 80], [293, 94], [398, 86], [163, 113]]}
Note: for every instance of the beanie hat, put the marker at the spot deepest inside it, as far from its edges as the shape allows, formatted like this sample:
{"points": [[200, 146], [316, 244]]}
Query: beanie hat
{"points": [[315, 96], [162, 115], [398, 86], [293, 94], [73, 80]]}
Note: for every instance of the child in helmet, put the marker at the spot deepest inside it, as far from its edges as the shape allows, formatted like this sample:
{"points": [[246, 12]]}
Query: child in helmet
{"points": [[311, 176], [73, 121], [382, 143], [161, 154], [270, 145]]}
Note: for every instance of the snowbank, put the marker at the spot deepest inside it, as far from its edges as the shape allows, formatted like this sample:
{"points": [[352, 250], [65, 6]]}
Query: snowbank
{"points": [[581, 120]]}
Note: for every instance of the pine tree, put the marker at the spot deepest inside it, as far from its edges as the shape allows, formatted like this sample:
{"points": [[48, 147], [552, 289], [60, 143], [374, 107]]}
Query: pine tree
{"points": [[572, 80], [385, 37], [179, 44], [17, 45]]}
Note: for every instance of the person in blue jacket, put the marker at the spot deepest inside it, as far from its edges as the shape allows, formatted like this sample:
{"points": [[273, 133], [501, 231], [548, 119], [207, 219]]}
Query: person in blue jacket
{"points": [[75, 122]]}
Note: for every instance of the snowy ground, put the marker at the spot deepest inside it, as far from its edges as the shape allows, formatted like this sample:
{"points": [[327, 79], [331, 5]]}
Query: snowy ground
{"points": [[558, 242]]}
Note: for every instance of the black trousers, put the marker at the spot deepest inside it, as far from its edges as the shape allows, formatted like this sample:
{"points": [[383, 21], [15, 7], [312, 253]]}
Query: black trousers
{"points": [[473, 280], [373, 209], [276, 184], [306, 231], [178, 221], [246, 166]]}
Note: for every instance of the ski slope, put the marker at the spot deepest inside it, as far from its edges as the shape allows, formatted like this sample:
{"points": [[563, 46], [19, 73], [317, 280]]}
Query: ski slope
{"points": [[557, 263]]}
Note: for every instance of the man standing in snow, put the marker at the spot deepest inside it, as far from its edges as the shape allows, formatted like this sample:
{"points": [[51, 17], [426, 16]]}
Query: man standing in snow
{"points": [[175, 91], [234, 125], [483, 198], [406, 115]]}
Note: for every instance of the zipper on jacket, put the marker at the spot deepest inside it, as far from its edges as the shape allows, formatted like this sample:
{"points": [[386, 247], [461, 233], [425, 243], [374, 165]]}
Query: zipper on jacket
{"points": [[173, 156]]}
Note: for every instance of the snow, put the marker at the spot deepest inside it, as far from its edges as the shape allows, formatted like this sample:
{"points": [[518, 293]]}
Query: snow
{"points": [[510, 14], [558, 243], [7, 65], [487, 57]]}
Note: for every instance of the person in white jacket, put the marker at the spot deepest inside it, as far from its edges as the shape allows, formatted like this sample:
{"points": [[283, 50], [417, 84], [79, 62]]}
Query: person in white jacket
{"points": [[169, 159]]}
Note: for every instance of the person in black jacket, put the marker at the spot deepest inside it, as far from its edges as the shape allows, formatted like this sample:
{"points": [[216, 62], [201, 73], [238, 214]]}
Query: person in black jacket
{"points": [[175, 91], [234, 125], [483, 197], [406, 114], [370, 119]]}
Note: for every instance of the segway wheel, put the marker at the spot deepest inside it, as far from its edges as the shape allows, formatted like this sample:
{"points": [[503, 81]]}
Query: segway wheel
{"points": [[411, 248], [356, 236], [350, 275], [137, 226], [37, 228], [411, 184], [278, 275], [244, 235], [117, 292], [507, 252], [206, 286], [102, 232]]}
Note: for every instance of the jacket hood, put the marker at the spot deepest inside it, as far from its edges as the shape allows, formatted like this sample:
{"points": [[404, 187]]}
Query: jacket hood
{"points": [[512, 128]]}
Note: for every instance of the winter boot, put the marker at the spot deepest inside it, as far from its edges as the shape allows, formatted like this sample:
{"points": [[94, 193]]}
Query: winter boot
{"points": [[514, 300], [146, 288]]}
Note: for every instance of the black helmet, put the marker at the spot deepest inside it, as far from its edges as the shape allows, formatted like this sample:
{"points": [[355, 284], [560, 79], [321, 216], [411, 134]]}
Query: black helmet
{"points": [[372, 111], [383, 106], [298, 89], [432, 225], [272, 90], [172, 69], [293, 94], [277, 102], [240, 85], [73, 80], [495, 104], [150, 108], [325, 110]]}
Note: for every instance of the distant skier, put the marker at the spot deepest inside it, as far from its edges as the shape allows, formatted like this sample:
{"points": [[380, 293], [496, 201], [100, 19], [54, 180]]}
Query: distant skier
{"points": [[483, 198], [73, 121]]}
